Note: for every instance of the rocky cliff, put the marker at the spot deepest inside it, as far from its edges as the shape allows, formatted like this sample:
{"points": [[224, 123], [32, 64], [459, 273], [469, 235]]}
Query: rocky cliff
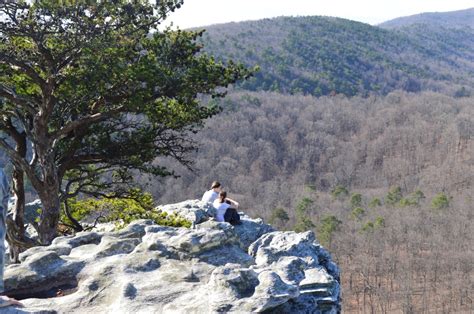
{"points": [[146, 268]]}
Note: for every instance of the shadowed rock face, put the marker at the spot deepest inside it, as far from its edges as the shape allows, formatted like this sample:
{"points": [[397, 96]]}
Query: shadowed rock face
{"points": [[146, 268]]}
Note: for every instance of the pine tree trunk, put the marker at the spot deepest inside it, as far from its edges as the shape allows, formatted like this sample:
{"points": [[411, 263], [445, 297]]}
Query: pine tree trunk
{"points": [[49, 217], [48, 193], [19, 191], [17, 234], [16, 237]]}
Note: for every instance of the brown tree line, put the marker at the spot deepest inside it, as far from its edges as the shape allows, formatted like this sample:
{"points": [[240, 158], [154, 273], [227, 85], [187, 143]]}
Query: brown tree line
{"points": [[272, 151]]}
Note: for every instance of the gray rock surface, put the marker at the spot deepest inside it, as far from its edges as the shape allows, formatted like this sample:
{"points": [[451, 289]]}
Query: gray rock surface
{"points": [[146, 268], [193, 210], [31, 209]]}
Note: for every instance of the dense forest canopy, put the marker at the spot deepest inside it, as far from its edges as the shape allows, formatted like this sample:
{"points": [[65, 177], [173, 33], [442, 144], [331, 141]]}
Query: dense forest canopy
{"points": [[324, 55]]}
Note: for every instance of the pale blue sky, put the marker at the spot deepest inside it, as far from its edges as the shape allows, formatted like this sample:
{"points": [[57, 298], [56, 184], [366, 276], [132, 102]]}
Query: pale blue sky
{"points": [[205, 12]]}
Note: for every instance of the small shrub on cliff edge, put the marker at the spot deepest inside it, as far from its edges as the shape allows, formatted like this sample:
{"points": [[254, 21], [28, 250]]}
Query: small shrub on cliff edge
{"points": [[122, 211]]}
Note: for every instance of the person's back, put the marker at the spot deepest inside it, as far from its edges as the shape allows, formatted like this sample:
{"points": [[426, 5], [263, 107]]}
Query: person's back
{"points": [[224, 211], [221, 208], [211, 195]]}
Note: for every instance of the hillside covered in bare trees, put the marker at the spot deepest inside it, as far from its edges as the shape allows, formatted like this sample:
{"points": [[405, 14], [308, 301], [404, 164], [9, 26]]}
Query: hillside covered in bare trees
{"points": [[280, 143]]}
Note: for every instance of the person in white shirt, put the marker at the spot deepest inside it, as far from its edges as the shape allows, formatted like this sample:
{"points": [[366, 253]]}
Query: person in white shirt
{"points": [[224, 211], [212, 194]]}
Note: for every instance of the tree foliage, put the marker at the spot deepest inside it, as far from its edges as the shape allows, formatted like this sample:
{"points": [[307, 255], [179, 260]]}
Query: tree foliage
{"points": [[340, 192], [279, 217], [302, 213], [357, 213], [327, 227], [394, 196], [375, 202], [440, 201], [356, 200]]}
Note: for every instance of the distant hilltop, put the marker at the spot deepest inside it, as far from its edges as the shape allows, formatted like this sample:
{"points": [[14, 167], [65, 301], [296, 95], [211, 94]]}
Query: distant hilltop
{"points": [[453, 19]]}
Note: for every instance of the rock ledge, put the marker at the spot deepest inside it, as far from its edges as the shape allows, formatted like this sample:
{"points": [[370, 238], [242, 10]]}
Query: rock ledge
{"points": [[146, 268]]}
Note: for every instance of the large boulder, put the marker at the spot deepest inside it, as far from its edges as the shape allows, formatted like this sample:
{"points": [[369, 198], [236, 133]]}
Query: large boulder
{"points": [[299, 260], [195, 211], [251, 229], [272, 246], [247, 232], [146, 268]]}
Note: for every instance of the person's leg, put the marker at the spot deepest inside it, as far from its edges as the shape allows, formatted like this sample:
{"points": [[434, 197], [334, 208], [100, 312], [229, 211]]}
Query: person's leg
{"points": [[228, 215], [232, 216], [236, 218]]}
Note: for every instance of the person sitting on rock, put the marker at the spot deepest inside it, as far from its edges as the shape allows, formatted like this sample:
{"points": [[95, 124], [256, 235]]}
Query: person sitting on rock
{"points": [[211, 195], [224, 211]]}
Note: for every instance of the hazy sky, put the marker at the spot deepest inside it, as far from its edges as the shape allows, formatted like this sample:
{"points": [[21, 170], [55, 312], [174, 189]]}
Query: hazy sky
{"points": [[205, 12]]}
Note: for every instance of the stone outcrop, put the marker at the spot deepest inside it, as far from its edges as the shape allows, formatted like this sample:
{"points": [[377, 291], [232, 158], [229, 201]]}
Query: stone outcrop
{"points": [[146, 268]]}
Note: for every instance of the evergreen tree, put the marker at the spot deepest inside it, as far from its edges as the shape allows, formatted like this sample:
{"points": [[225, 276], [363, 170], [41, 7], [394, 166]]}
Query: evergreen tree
{"points": [[95, 93]]}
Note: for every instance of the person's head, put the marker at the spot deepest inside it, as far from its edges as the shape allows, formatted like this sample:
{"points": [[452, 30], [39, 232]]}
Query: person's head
{"points": [[216, 186], [222, 196]]}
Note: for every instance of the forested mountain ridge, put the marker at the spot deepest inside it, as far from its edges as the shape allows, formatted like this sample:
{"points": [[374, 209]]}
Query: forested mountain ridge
{"points": [[453, 19], [325, 55]]}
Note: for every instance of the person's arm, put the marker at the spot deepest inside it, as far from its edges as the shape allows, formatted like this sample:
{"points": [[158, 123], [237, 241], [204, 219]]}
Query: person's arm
{"points": [[7, 301], [236, 204]]}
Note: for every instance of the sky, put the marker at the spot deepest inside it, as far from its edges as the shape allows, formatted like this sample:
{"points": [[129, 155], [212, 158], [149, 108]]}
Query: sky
{"points": [[195, 13]]}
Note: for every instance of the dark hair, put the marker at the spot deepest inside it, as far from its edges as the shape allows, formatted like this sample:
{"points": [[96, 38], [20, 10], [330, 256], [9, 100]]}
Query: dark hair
{"points": [[222, 196], [215, 184]]}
